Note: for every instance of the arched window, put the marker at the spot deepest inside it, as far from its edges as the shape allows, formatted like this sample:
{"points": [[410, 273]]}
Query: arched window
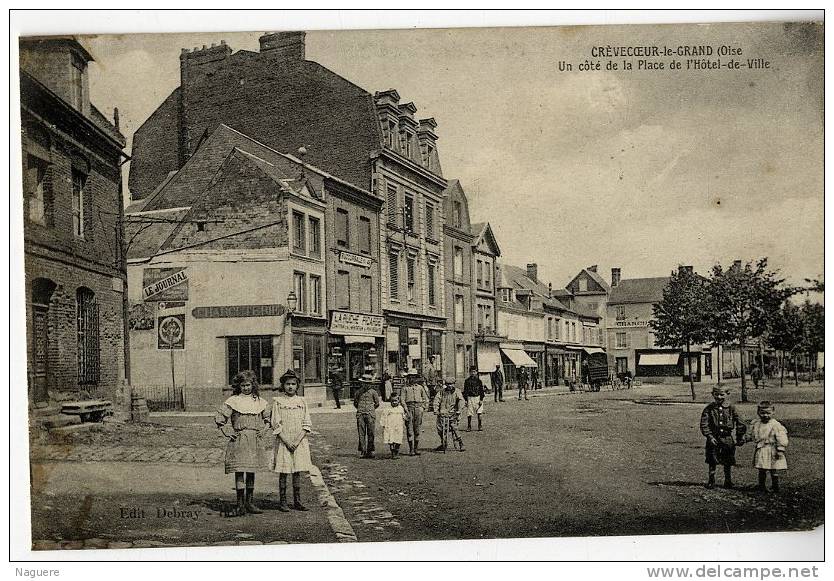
{"points": [[86, 311]]}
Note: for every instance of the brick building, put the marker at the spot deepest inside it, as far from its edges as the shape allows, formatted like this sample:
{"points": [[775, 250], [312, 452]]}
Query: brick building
{"points": [[237, 237], [280, 99], [74, 277]]}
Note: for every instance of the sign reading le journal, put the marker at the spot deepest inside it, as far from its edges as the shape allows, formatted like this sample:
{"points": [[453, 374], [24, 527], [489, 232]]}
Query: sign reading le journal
{"points": [[165, 284]]}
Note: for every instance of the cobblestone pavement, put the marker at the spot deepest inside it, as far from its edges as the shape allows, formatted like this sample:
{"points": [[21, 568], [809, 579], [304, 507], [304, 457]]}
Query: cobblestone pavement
{"points": [[109, 453]]}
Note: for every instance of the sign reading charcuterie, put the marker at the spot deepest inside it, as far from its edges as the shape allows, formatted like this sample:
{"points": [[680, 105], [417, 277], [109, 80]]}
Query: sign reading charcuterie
{"points": [[235, 311], [632, 323], [357, 259], [165, 284]]}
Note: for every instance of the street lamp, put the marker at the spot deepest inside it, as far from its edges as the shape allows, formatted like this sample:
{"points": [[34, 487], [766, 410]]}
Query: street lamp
{"points": [[292, 301]]}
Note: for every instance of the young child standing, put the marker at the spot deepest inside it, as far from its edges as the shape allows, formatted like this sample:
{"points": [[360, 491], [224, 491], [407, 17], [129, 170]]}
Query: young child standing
{"points": [[393, 418], [291, 425], [246, 454], [719, 422], [771, 439]]}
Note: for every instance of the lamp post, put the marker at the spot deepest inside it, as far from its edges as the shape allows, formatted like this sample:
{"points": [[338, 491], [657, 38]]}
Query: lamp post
{"points": [[292, 302]]}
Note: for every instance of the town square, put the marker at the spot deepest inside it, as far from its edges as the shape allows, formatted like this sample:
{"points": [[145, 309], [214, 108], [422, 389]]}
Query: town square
{"points": [[297, 287]]}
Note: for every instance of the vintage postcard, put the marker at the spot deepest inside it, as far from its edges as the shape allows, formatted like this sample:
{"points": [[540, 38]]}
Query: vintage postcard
{"points": [[295, 287]]}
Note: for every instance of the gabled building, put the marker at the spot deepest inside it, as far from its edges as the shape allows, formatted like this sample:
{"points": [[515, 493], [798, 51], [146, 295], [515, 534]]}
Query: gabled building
{"points": [[72, 207], [372, 141], [231, 251], [485, 254]]}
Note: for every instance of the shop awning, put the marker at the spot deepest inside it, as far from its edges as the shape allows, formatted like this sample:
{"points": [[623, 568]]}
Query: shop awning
{"points": [[593, 350], [519, 358], [488, 358], [354, 339], [658, 359]]}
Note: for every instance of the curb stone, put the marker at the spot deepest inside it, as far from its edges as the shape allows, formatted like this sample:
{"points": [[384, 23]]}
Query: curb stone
{"points": [[335, 515]]}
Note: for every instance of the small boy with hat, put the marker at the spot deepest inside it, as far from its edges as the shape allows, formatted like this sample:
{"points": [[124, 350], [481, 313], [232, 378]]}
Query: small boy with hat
{"points": [[473, 396], [723, 429], [448, 405], [366, 400]]}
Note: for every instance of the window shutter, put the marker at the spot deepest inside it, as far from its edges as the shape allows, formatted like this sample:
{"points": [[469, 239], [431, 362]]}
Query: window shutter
{"points": [[394, 275], [392, 204]]}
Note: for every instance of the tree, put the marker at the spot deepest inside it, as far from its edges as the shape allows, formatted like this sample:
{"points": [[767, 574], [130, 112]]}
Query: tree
{"points": [[786, 333], [813, 324], [679, 318], [745, 297]]}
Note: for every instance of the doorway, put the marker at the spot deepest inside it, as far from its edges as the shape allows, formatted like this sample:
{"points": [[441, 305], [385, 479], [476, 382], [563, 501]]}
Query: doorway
{"points": [[42, 290]]}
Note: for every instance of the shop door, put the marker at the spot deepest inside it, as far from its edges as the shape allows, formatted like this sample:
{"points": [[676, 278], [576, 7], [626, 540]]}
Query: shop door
{"points": [[355, 368], [622, 366], [40, 353], [695, 358]]}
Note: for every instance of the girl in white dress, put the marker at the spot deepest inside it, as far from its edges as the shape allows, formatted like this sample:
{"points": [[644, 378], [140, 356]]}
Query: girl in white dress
{"points": [[771, 439], [392, 418], [291, 425]]}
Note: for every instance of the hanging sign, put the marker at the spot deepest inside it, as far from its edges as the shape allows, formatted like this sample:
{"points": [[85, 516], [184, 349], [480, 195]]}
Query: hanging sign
{"points": [[171, 332], [349, 323], [357, 259]]}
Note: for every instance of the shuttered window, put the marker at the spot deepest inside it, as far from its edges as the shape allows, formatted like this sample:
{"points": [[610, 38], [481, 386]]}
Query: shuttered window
{"points": [[429, 220], [432, 281], [364, 235], [366, 294], [343, 290], [391, 204], [411, 276], [342, 228], [87, 326], [394, 275]]}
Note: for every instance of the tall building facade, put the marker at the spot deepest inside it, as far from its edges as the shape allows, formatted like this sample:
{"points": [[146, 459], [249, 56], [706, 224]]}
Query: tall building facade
{"points": [[74, 273], [487, 335]]}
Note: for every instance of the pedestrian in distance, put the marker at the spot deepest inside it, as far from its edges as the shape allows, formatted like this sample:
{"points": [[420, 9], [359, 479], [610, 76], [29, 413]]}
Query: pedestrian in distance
{"points": [[291, 427], [393, 419], [448, 405], [771, 439], [522, 382], [337, 383], [417, 401], [473, 397], [366, 401], [724, 430], [498, 384], [387, 386], [244, 419]]}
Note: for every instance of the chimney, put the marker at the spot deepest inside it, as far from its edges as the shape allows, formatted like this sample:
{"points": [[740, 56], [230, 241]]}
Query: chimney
{"points": [[287, 46], [550, 290], [428, 144], [533, 272], [202, 60], [592, 268], [116, 118], [615, 276]]}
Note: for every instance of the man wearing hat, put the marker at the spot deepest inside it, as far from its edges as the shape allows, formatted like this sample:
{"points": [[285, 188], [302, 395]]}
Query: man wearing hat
{"points": [[473, 396], [416, 400], [366, 400]]}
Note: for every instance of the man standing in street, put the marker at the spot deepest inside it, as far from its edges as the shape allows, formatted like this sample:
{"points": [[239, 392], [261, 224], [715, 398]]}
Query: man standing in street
{"points": [[337, 381], [473, 397], [498, 384], [416, 401], [366, 401]]}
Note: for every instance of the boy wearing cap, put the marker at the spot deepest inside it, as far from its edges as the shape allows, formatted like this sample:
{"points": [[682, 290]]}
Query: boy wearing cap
{"points": [[448, 404], [473, 397], [416, 400], [366, 401]]}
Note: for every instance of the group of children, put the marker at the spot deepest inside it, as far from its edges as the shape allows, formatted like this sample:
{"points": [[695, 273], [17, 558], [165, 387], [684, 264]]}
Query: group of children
{"points": [[247, 420], [725, 430]]}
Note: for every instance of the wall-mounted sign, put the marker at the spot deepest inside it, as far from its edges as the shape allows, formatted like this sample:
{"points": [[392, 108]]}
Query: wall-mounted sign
{"points": [[349, 323], [141, 317], [357, 259], [165, 284], [171, 332], [235, 311], [632, 323]]}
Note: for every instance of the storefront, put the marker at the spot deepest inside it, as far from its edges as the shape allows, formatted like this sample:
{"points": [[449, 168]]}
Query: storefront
{"points": [[514, 357], [489, 357], [554, 364], [354, 346], [409, 344]]}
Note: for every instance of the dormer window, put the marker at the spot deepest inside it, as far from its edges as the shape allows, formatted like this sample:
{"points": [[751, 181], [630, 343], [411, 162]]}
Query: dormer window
{"points": [[77, 80], [391, 134], [407, 139]]}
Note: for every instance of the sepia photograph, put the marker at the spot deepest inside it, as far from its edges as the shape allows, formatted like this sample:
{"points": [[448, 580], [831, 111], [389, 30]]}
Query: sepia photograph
{"points": [[310, 286]]}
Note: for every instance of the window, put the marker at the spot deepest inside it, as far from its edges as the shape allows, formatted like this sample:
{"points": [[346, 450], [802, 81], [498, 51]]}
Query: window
{"points": [[299, 235], [343, 290], [583, 285], [480, 274], [488, 318], [429, 220], [458, 264], [556, 324], [410, 266], [364, 235], [86, 316], [487, 275], [549, 328], [300, 288], [392, 134], [315, 237], [481, 309], [35, 189], [394, 275], [620, 312], [573, 332], [407, 143], [432, 282], [427, 159], [507, 295], [391, 203], [315, 294], [622, 342], [457, 214], [250, 353], [366, 294], [308, 356], [459, 311], [409, 213], [77, 80], [342, 227], [79, 181]]}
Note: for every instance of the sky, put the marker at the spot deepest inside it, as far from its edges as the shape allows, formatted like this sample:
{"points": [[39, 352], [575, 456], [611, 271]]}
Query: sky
{"points": [[641, 170]]}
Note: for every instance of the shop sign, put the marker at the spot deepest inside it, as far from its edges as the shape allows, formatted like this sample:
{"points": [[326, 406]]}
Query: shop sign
{"points": [[236, 311], [165, 284], [171, 334], [349, 323], [357, 259], [632, 323]]}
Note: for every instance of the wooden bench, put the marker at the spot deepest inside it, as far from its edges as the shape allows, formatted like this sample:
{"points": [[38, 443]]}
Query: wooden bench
{"points": [[92, 410]]}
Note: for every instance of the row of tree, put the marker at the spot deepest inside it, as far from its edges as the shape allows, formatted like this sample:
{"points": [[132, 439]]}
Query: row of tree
{"points": [[736, 305]]}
